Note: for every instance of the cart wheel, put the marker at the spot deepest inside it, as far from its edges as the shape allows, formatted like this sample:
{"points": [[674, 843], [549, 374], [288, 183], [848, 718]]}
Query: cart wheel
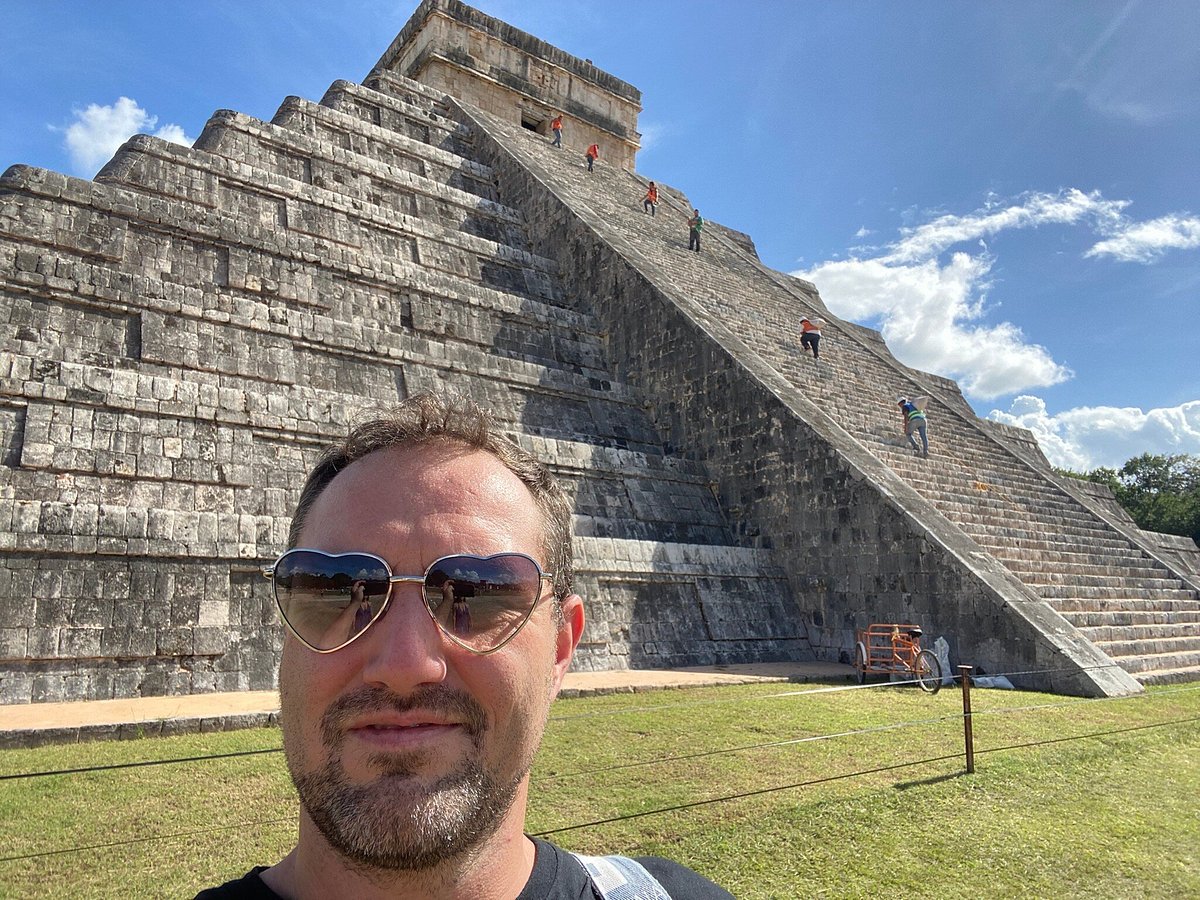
{"points": [[860, 662], [928, 671]]}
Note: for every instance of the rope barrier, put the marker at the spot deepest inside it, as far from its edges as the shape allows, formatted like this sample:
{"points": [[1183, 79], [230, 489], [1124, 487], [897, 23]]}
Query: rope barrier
{"points": [[1090, 734], [873, 771], [783, 743], [138, 764], [659, 708], [145, 840], [1075, 701], [658, 811], [742, 795]]}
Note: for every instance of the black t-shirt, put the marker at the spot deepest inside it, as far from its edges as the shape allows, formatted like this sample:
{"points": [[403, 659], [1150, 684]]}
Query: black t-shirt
{"points": [[556, 875]]}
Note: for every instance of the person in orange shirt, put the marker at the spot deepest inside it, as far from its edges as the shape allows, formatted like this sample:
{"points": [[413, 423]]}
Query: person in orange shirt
{"points": [[650, 203], [810, 335], [556, 127], [593, 154]]}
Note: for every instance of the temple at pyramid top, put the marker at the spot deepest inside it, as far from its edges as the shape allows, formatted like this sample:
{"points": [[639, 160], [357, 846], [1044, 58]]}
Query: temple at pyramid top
{"points": [[455, 48]]}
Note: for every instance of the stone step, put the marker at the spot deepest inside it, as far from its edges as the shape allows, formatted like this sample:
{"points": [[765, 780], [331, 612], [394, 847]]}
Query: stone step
{"points": [[206, 530], [568, 456], [1072, 605], [1068, 552], [308, 160], [349, 132], [644, 499], [979, 496], [393, 84], [1027, 536], [220, 456], [1114, 634], [405, 111], [1106, 582], [1122, 618], [323, 218], [1035, 570], [49, 527], [411, 109], [1129, 569], [122, 227], [533, 407], [1124, 650], [143, 607], [744, 603], [257, 335], [610, 555], [1067, 560], [1169, 675], [1079, 533], [958, 485], [1084, 592], [380, 373], [1147, 659]]}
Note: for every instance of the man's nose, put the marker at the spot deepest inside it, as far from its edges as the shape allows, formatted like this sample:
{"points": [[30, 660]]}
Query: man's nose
{"points": [[404, 648]]}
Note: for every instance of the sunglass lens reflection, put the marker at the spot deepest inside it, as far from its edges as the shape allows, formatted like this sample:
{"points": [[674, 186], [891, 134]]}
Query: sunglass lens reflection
{"points": [[328, 600], [482, 602]]}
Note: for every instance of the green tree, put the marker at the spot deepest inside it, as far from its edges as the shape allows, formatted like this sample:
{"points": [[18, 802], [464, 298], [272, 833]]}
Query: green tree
{"points": [[1160, 493]]}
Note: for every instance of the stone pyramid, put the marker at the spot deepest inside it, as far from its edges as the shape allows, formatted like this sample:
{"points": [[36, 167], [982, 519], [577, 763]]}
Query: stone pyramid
{"points": [[181, 335]]}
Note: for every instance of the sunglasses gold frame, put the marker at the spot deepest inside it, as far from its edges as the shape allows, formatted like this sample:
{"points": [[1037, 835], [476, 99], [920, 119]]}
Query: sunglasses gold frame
{"points": [[268, 572]]}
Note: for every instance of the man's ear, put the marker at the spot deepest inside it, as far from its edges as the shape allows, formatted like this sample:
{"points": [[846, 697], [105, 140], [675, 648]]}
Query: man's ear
{"points": [[569, 633]]}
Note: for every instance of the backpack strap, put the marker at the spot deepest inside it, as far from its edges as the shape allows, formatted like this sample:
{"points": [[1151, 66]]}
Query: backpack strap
{"points": [[622, 878]]}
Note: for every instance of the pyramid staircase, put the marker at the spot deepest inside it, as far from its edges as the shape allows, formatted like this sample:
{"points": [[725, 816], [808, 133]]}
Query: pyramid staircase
{"points": [[182, 334], [996, 499]]}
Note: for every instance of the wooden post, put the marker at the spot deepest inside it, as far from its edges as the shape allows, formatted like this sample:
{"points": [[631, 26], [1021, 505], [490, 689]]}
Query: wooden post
{"points": [[964, 673]]}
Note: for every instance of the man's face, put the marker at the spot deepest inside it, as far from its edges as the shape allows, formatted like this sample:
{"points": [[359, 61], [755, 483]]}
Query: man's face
{"points": [[407, 749]]}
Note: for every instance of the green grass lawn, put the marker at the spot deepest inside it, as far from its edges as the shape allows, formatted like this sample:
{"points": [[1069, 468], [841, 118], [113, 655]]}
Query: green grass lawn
{"points": [[1114, 815]]}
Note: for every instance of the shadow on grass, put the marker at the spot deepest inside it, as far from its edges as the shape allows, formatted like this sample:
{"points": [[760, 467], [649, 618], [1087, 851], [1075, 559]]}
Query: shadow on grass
{"points": [[923, 782]]}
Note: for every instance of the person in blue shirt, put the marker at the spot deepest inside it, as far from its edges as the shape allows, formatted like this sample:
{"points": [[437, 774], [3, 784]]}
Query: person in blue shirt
{"points": [[913, 412]]}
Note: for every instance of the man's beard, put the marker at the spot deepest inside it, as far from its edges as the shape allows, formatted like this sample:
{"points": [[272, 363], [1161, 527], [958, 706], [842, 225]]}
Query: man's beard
{"points": [[397, 822]]}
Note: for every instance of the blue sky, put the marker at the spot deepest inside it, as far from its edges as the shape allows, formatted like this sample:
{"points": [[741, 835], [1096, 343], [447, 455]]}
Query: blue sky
{"points": [[1008, 190]]}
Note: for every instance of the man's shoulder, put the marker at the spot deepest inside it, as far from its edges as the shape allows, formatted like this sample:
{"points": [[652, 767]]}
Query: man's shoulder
{"points": [[559, 874], [682, 882], [249, 887]]}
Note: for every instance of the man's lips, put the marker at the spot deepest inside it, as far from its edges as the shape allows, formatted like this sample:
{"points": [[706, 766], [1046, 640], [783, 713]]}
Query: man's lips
{"points": [[375, 713], [403, 731]]}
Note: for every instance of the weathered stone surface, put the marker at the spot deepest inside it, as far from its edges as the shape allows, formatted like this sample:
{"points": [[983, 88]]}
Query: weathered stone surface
{"points": [[179, 337]]}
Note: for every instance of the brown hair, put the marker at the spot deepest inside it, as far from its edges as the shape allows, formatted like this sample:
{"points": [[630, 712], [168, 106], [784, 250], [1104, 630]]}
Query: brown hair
{"points": [[427, 418]]}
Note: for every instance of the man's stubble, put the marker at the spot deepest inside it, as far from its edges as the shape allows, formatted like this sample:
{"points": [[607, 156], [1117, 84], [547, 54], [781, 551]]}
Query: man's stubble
{"points": [[399, 821]]}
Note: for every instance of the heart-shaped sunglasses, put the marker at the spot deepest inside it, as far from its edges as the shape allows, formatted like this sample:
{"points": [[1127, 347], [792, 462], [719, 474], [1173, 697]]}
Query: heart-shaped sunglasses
{"points": [[479, 602]]}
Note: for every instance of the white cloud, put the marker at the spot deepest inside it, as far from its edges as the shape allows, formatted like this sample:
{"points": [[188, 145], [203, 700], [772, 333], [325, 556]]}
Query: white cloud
{"points": [[929, 308], [927, 290], [1145, 242], [1091, 436], [1064, 208], [925, 310], [652, 134], [863, 232], [99, 131]]}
